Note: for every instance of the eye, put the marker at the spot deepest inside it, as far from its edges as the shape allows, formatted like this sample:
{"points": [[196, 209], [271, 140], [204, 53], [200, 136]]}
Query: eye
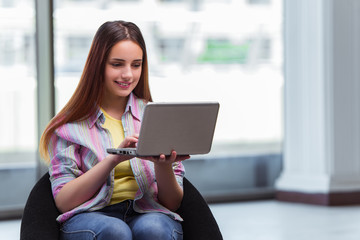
{"points": [[116, 64], [137, 65]]}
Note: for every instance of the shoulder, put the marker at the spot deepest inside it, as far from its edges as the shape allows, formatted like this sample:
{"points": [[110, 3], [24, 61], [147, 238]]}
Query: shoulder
{"points": [[74, 131], [71, 128]]}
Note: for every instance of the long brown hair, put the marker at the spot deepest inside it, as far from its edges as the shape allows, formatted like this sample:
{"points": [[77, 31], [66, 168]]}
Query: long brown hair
{"points": [[87, 97]]}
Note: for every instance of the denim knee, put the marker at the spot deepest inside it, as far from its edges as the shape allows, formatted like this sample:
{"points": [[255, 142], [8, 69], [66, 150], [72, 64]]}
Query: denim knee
{"points": [[90, 226], [156, 226], [105, 231], [113, 231]]}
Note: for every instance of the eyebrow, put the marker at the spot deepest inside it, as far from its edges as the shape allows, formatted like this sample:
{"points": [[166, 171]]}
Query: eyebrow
{"points": [[123, 60]]}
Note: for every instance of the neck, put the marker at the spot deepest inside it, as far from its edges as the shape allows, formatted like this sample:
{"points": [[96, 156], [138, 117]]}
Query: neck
{"points": [[115, 107]]}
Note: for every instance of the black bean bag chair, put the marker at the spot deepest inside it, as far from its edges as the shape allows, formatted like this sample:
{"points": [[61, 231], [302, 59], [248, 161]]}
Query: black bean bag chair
{"points": [[40, 213]]}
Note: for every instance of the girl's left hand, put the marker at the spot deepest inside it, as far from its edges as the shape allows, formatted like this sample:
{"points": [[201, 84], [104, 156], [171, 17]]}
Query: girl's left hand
{"points": [[162, 159]]}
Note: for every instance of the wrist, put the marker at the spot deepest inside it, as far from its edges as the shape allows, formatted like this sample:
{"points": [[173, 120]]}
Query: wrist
{"points": [[163, 167], [113, 160]]}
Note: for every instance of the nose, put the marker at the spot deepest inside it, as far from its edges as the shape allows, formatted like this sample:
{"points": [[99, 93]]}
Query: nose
{"points": [[126, 74]]}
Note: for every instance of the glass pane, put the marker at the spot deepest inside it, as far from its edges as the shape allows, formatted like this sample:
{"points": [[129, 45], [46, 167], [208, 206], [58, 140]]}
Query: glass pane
{"points": [[18, 83], [18, 128], [234, 58]]}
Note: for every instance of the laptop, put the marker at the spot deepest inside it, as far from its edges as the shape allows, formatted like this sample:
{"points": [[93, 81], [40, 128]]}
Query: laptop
{"points": [[187, 128]]}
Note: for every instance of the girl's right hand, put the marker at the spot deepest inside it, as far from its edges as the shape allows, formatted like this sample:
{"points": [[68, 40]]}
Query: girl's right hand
{"points": [[128, 142]]}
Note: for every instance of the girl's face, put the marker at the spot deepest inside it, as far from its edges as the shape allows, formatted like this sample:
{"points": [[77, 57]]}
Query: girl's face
{"points": [[122, 70]]}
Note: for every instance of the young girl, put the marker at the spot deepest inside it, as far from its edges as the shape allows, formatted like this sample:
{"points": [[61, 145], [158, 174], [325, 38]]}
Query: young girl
{"points": [[104, 196]]}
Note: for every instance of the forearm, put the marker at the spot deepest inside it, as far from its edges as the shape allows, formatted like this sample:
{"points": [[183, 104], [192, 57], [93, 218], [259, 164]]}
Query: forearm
{"points": [[81, 189], [170, 193]]}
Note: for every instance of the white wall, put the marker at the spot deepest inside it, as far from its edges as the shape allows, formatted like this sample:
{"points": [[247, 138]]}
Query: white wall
{"points": [[322, 96]]}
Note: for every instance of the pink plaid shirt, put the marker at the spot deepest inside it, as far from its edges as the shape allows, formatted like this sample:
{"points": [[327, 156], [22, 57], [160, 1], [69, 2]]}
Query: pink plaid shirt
{"points": [[77, 147]]}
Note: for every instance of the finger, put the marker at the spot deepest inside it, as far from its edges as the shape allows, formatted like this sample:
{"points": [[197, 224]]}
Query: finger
{"points": [[162, 158], [132, 138], [128, 141], [173, 156], [135, 135]]}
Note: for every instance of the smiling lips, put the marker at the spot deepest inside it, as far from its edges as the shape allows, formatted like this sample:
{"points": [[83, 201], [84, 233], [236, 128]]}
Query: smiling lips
{"points": [[123, 85]]}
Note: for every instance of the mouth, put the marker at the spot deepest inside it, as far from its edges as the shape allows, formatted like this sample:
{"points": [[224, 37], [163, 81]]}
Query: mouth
{"points": [[124, 85]]}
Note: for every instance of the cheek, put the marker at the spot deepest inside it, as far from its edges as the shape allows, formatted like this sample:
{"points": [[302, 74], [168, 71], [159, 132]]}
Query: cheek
{"points": [[109, 74], [137, 75]]}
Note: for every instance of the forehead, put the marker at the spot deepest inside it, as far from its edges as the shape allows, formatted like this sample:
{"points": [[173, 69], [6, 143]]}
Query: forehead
{"points": [[126, 50]]}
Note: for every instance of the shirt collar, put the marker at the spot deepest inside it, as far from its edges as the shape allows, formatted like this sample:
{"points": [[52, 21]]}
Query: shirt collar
{"points": [[98, 116], [131, 107]]}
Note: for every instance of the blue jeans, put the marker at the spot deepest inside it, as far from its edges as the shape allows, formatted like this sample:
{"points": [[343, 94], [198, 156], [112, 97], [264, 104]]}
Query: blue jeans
{"points": [[121, 222]]}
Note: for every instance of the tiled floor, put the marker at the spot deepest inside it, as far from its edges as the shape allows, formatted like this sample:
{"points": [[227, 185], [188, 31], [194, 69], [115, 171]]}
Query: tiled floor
{"points": [[10, 230], [273, 220], [268, 220]]}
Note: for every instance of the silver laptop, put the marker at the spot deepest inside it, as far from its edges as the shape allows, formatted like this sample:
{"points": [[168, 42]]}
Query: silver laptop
{"points": [[187, 128]]}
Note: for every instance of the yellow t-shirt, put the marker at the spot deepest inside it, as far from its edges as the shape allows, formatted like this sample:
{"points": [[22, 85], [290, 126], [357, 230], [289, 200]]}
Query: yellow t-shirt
{"points": [[125, 185]]}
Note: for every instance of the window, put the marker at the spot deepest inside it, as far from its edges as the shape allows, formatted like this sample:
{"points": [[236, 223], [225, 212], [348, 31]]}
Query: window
{"points": [[235, 59], [18, 131], [71, 57], [18, 91], [170, 49]]}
